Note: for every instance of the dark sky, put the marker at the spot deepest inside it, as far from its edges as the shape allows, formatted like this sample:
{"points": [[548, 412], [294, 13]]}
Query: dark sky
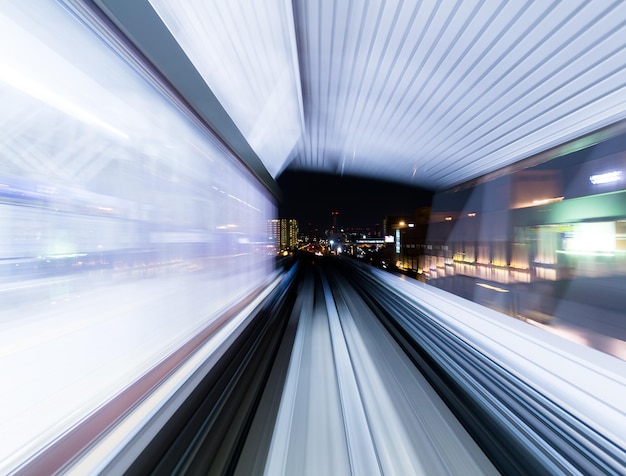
{"points": [[310, 198]]}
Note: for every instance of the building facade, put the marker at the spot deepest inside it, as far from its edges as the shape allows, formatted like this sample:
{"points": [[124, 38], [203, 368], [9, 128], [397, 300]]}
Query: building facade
{"points": [[288, 234]]}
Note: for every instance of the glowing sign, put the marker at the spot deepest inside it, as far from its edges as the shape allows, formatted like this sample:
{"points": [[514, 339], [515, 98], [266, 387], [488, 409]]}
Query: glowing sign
{"points": [[608, 177], [397, 240]]}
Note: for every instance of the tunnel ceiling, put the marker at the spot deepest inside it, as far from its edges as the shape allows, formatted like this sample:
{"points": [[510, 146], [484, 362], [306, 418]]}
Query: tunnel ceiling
{"points": [[428, 93]]}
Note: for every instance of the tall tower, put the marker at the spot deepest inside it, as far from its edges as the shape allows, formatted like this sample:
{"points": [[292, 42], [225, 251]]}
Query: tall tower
{"points": [[334, 216], [288, 233]]}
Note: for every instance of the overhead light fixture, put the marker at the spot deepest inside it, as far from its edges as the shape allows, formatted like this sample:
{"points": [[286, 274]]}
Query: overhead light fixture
{"points": [[608, 177]]}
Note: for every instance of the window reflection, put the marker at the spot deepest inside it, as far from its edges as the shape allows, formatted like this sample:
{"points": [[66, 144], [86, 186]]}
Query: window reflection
{"points": [[546, 244]]}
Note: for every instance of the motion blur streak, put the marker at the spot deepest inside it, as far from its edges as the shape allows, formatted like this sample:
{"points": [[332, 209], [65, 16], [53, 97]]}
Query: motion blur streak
{"points": [[362, 372], [423, 363], [125, 227], [354, 403], [554, 406]]}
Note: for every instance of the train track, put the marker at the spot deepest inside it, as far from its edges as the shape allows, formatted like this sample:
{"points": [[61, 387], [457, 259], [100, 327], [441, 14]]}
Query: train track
{"points": [[339, 371], [353, 402]]}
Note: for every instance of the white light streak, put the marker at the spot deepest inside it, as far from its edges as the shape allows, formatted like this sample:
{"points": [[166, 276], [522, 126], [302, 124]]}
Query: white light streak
{"points": [[608, 177], [28, 85], [258, 78]]}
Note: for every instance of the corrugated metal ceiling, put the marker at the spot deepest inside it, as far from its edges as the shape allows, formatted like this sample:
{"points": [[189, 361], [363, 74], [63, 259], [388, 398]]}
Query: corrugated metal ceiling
{"points": [[431, 93]]}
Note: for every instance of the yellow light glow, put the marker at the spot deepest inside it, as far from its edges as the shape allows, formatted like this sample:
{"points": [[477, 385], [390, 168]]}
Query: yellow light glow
{"points": [[544, 201], [493, 288]]}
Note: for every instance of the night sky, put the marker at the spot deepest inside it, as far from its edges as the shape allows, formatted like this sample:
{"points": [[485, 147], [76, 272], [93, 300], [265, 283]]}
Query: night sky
{"points": [[311, 197]]}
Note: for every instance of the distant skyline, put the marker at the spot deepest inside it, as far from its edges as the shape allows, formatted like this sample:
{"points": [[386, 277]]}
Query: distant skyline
{"points": [[311, 197]]}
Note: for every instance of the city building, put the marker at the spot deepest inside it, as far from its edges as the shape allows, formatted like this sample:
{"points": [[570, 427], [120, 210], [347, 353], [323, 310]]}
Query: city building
{"points": [[273, 233], [408, 235], [288, 234]]}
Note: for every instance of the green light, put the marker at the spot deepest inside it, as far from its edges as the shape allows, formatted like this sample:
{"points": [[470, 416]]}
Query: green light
{"points": [[583, 143]]}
